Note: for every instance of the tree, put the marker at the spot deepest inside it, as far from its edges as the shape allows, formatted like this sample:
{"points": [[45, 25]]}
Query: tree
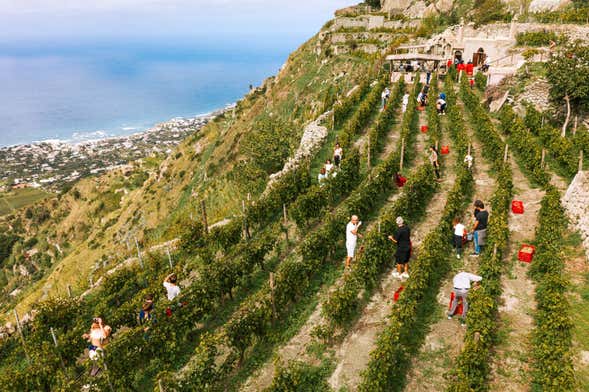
{"points": [[568, 75], [373, 3]]}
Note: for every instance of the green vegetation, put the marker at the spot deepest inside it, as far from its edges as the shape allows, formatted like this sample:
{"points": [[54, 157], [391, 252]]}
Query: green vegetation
{"points": [[538, 38], [19, 198], [568, 75], [552, 336]]}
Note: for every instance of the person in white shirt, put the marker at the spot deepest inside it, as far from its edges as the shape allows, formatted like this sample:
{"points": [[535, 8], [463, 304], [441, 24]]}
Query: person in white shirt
{"points": [[405, 102], [338, 153], [386, 93], [459, 234], [468, 160], [171, 287], [321, 177], [328, 167], [462, 282], [352, 238]]}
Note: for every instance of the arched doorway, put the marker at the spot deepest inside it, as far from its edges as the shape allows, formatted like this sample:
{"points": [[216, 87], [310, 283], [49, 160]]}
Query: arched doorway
{"points": [[478, 58]]}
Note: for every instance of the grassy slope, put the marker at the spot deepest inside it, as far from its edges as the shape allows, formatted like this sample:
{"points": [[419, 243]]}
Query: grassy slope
{"points": [[158, 209], [20, 198]]}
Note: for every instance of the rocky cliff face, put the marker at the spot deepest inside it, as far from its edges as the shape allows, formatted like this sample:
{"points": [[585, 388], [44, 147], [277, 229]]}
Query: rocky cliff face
{"points": [[544, 5], [420, 8]]}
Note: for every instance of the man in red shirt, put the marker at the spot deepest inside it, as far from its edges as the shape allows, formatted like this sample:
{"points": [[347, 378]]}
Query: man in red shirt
{"points": [[469, 68]]}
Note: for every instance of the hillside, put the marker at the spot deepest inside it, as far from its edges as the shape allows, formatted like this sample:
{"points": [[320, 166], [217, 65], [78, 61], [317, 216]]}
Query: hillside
{"points": [[257, 241]]}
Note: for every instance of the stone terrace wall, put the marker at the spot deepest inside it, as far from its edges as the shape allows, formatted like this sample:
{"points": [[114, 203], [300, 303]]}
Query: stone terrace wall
{"points": [[576, 203]]}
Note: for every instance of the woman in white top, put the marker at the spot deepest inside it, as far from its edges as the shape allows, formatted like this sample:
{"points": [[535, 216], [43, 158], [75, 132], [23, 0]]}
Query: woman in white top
{"points": [[338, 154], [459, 233], [352, 238], [171, 287], [328, 167]]}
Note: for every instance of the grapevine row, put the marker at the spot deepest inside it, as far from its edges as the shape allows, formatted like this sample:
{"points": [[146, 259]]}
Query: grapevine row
{"points": [[472, 366], [552, 336]]}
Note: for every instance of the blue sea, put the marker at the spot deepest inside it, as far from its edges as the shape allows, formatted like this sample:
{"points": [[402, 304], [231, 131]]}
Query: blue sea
{"points": [[70, 91]]}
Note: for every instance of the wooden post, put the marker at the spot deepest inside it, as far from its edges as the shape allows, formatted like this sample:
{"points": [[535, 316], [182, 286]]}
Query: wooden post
{"points": [[459, 76], [69, 291], [161, 387], [272, 288], [543, 158], [285, 222], [169, 257], [369, 157], [138, 252], [402, 154], [437, 145], [379, 226], [246, 230], [542, 120], [22, 336], [575, 125], [495, 250], [581, 160], [284, 214], [53, 336], [505, 153], [203, 207]]}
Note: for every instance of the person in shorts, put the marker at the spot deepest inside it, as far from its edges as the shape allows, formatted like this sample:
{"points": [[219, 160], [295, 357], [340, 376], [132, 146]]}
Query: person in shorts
{"points": [[403, 240]]}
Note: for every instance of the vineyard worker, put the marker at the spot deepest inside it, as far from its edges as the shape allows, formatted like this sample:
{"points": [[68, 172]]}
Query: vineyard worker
{"points": [[459, 233], [433, 158], [405, 102], [321, 177], [441, 105], [171, 287], [97, 338], [386, 93], [352, 238], [462, 282], [403, 240], [328, 167], [480, 226], [146, 316], [338, 154], [468, 160]]}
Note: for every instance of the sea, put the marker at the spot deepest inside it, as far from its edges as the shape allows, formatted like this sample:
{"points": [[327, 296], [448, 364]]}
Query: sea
{"points": [[88, 90]]}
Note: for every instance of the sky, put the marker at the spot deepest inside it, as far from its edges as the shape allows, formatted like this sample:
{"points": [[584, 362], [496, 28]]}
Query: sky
{"points": [[81, 20]]}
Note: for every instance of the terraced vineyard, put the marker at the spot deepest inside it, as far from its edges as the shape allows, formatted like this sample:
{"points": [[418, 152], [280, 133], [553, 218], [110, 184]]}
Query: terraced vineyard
{"points": [[267, 305]]}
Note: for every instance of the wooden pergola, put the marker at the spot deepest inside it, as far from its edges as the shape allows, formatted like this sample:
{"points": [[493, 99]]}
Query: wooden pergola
{"points": [[403, 59]]}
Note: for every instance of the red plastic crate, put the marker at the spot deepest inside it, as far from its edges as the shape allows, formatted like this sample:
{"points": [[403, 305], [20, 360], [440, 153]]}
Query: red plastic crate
{"points": [[526, 253], [458, 308], [445, 150], [397, 292], [517, 207], [424, 128]]}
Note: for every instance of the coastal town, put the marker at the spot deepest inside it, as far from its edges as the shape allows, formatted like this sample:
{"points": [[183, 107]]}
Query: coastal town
{"points": [[52, 165]]}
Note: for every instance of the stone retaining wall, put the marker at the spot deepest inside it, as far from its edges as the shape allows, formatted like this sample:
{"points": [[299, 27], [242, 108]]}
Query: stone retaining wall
{"points": [[576, 203]]}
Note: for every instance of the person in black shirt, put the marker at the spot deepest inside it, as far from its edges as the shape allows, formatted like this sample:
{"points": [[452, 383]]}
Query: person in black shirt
{"points": [[480, 226], [403, 240]]}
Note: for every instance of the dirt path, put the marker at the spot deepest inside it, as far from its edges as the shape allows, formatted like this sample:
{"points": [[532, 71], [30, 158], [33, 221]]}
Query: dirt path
{"points": [[353, 355], [510, 364], [444, 341]]}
